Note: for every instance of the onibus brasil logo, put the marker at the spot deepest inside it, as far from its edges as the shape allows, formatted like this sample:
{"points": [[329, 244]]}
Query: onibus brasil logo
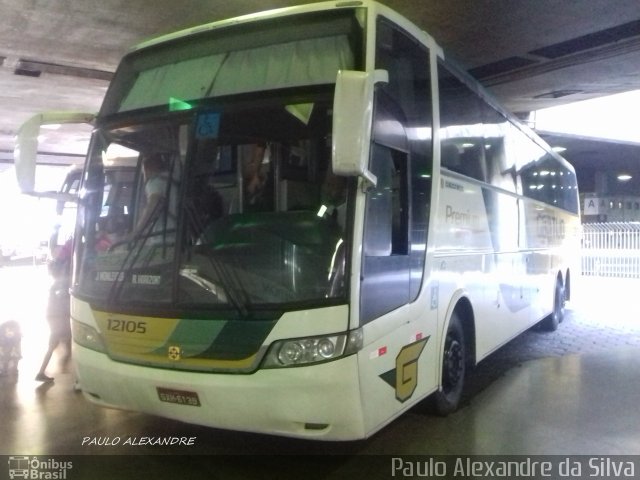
{"points": [[38, 468]]}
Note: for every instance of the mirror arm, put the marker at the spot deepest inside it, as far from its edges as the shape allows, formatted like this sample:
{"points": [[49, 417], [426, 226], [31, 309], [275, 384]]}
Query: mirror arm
{"points": [[380, 76], [370, 181]]}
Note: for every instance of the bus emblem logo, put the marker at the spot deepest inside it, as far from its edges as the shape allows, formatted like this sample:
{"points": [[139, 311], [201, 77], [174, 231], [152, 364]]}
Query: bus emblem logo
{"points": [[404, 378], [174, 353], [19, 467]]}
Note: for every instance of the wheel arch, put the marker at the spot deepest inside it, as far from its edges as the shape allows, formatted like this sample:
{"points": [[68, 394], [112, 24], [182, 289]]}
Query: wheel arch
{"points": [[462, 306], [460, 321]]}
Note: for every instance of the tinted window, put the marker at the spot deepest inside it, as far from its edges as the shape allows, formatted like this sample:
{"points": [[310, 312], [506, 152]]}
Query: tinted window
{"points": [[479, 142]]}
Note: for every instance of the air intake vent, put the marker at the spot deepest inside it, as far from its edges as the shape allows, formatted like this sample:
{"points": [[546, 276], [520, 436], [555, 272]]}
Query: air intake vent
{"points": [[26, 71], [34, 68], [592, 40], [558, 94], [501, 66]]}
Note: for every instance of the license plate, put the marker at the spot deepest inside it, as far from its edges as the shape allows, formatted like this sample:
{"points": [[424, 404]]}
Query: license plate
{"points": [[180, 397]]}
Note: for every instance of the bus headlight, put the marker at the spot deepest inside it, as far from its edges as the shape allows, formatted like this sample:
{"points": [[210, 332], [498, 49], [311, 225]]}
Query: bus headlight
{"points": [[309, 350], [87, 336]]}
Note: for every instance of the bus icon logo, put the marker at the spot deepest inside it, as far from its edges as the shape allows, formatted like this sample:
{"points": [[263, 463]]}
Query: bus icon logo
{"points": [[174, 353], [18, 467]]}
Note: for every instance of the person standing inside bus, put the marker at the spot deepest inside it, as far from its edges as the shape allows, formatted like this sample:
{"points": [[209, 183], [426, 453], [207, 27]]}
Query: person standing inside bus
{"points": [[157, 217], [333, 194], [258, 180], [156, 180]]}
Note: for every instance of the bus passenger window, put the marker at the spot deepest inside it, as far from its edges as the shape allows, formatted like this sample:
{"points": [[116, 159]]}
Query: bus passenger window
{"points": [[450, 157]]}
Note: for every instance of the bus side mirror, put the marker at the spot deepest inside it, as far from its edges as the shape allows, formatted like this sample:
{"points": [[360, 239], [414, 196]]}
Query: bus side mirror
{"points": [[25, 153], [352, 117]]}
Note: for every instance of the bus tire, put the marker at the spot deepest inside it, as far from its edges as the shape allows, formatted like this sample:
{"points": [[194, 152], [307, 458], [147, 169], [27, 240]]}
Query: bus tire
{"points": [[551, 322], [454, 361]]}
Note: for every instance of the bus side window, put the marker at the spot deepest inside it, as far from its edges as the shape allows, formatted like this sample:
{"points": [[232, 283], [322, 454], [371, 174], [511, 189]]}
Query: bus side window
{"points": [[461, 126], [450, 157]]}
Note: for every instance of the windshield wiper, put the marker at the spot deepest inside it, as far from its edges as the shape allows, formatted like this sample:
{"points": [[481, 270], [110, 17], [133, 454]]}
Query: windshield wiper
{"points": [[133, 254], [232, 285], [193, 275]]}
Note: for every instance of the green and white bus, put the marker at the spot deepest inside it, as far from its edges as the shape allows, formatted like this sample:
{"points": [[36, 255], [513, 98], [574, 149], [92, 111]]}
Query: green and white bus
{"points": [[338, 224]]}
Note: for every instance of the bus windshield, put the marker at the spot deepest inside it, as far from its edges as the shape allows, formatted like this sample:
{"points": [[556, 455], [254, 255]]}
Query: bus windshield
{"points": [[234, 207]]}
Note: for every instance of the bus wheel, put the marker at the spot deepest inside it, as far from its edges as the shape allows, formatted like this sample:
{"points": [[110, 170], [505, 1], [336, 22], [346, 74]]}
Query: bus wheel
{"points": [[454, 362], [550, 323]]}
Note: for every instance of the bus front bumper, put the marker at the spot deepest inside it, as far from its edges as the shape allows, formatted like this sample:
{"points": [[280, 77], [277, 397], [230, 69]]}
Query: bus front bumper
{"points": [[321, 401]]}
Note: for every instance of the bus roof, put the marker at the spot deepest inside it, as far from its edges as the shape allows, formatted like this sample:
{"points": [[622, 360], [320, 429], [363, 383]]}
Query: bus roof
{"points": [[285, 11], [251, 17]]}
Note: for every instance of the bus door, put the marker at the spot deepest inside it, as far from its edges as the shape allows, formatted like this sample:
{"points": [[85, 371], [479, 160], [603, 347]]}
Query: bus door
{"points": [[398, 324]]}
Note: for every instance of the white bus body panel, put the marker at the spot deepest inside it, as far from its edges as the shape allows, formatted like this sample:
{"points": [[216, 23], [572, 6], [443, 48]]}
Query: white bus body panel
{"points": [[399, 366], [360, 393], [497, 250]]}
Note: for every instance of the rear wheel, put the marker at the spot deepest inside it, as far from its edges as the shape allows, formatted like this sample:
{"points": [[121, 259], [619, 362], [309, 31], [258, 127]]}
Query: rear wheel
{"points": [[550, 323], [454, 360]]}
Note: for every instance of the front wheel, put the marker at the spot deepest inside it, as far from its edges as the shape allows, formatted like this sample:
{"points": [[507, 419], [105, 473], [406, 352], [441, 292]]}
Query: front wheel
{"points": [[454, 360]]}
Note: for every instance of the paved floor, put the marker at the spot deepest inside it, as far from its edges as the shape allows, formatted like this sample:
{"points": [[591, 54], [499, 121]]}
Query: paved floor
{"points": [[570, 392]]}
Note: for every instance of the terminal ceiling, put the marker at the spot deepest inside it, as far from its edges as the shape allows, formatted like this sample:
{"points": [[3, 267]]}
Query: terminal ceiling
{"points": [[530, 54]]}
